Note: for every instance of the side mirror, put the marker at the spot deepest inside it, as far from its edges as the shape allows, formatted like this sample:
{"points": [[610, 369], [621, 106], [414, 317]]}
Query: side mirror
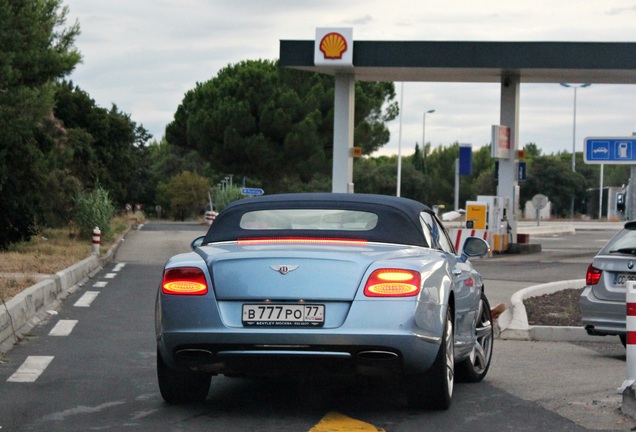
{"points": [[474, 247], [196, 242]]}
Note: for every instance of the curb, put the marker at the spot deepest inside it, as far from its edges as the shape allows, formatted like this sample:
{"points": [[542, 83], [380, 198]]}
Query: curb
{"points": [[513, 323], [547, 230], [28, 308]]}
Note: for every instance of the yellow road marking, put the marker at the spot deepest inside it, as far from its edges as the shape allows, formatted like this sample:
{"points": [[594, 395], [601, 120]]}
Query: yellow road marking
{"points": [[336, 422]]}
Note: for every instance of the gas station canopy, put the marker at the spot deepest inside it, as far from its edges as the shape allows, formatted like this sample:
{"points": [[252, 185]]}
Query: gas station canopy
{"points": [[334, 52], [532, 62]]}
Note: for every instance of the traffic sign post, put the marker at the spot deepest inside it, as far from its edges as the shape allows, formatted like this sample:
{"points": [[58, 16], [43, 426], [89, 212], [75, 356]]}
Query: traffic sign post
{"points": [[612, 151]]}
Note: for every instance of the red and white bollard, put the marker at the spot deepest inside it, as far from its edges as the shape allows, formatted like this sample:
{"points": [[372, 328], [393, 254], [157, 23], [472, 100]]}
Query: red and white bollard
{"points": [[97, 234], [210, 216], [630, 348]]}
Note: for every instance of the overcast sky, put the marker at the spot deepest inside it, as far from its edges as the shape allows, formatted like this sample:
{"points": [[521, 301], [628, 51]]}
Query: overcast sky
{"points": [[144, 55]]}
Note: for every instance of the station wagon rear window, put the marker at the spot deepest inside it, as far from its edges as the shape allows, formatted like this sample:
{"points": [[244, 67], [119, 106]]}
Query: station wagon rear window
{"points": [[309, 219]]}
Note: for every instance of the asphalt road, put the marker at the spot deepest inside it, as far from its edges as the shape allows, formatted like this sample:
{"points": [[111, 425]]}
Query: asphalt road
{"points": [[91, 366], [562, 257]]}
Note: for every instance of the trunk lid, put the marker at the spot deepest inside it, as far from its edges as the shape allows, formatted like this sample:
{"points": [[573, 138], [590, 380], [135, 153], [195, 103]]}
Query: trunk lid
{"points": [[616, 272], [293, 272]]}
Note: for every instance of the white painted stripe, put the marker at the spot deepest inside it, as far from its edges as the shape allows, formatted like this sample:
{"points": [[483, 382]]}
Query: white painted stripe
{"points": [[100, 284], [63, 328], [110, 275], [31, 369], [119, 267], [86, 299]]}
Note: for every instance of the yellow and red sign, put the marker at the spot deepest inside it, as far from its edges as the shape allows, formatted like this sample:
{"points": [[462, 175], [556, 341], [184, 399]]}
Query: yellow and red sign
{"points": [[334, 47]]}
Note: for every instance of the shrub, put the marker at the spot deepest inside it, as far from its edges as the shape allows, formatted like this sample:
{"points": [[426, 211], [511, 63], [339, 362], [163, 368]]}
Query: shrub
{"points": [[94, 209]]}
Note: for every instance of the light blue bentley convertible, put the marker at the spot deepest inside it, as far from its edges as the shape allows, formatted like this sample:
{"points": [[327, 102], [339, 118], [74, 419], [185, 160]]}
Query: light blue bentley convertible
{"points": [[322, 283]]}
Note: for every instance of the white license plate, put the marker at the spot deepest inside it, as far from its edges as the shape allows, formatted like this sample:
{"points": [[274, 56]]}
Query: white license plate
{"points": [[283, 315], [621, 278]]}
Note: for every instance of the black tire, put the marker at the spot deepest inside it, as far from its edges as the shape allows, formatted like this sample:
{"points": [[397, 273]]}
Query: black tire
{"points": [[433, 389], [181, 385], [474, 368]]}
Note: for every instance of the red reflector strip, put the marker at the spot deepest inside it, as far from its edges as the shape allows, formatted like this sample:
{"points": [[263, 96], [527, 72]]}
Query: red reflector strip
{"points": [[301, 240], [631, 309], [631, 338]]}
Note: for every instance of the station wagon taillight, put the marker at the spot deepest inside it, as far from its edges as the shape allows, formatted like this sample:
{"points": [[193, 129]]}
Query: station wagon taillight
{"points": [[393, 283], [184, 281], [593, 275]]}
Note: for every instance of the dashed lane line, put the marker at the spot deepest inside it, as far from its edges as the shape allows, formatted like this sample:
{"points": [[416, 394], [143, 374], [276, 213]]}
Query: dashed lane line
{"points": [[86, 299], [63, 328], [34, 366], [31, 369]]}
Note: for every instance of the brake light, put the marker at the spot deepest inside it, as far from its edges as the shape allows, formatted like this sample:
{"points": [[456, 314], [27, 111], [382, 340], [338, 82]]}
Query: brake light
{"points": [[184, 281], [593, 275], [301, 240], [393, 283]]}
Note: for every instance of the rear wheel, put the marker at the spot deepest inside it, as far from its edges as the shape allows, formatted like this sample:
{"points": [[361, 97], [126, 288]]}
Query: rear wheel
{"points": [[181, 385], [475, 367], [434, 388]]}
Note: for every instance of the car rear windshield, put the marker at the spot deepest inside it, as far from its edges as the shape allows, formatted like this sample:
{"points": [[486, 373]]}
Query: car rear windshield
{"points": [[309, 219], [623, 242]]}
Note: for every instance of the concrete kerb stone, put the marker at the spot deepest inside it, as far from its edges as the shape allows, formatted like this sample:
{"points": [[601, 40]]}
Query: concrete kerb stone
{"points": [[513, 323], [547, 230], [24, 311]]}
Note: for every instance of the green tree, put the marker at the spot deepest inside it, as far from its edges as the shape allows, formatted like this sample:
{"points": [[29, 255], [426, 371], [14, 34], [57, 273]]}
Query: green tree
{"points": [[106, 146], [36, 49], [552, 176], [275, 124], [187, 194]]}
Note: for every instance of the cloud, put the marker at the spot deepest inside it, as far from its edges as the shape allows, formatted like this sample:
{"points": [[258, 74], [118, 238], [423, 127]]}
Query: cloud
{"points": [[145, 55]]}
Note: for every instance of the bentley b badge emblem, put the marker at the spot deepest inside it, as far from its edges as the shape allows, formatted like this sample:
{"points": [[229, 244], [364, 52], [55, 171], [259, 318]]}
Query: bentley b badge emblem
{"points": [[283, 269]]}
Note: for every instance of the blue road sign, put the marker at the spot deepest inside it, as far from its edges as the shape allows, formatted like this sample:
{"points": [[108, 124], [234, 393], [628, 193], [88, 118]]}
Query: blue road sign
{"points": [[252, 191], [465, 159], [614, 150], [521, 171]]}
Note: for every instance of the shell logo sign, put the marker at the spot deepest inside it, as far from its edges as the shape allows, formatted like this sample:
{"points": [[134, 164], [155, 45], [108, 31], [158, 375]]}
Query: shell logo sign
{"points": [[334, 47]]}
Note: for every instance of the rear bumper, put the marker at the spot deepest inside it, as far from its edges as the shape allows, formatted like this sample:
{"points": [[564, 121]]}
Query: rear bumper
{"points": [[602, 317], [306, 353], [365, 337]]}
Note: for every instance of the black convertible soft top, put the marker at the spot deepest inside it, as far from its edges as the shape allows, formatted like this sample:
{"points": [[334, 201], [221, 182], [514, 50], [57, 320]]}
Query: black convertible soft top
{"points": [[398, 218]]}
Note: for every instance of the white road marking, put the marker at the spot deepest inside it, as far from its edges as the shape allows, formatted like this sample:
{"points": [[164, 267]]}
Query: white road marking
{"points": [[110, 275], [63, 328], [100, 284], [86, 299], [31, 369], [119, 267]]}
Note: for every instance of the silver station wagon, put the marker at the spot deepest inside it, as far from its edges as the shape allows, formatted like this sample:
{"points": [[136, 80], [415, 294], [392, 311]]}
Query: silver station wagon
{"points": [[602, 302], [320, 283]]}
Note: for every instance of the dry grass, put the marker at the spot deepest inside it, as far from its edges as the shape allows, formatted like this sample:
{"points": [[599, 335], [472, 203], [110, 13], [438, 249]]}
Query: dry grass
{"points": [[48, 252]]}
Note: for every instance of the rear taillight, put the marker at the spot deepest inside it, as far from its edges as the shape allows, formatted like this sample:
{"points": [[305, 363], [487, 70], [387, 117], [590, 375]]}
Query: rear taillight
{"points": [[184, 281], [393, 283], [593, 275]]}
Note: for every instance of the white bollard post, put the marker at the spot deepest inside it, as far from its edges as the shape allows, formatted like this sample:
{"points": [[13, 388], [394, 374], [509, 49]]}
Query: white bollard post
{"points": [[96, 240], [630, 301]]}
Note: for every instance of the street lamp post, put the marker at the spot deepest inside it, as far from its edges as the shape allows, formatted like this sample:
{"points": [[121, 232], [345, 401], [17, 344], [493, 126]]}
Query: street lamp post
{"points": [[399, 167], [424, 136], [575, 87]]}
